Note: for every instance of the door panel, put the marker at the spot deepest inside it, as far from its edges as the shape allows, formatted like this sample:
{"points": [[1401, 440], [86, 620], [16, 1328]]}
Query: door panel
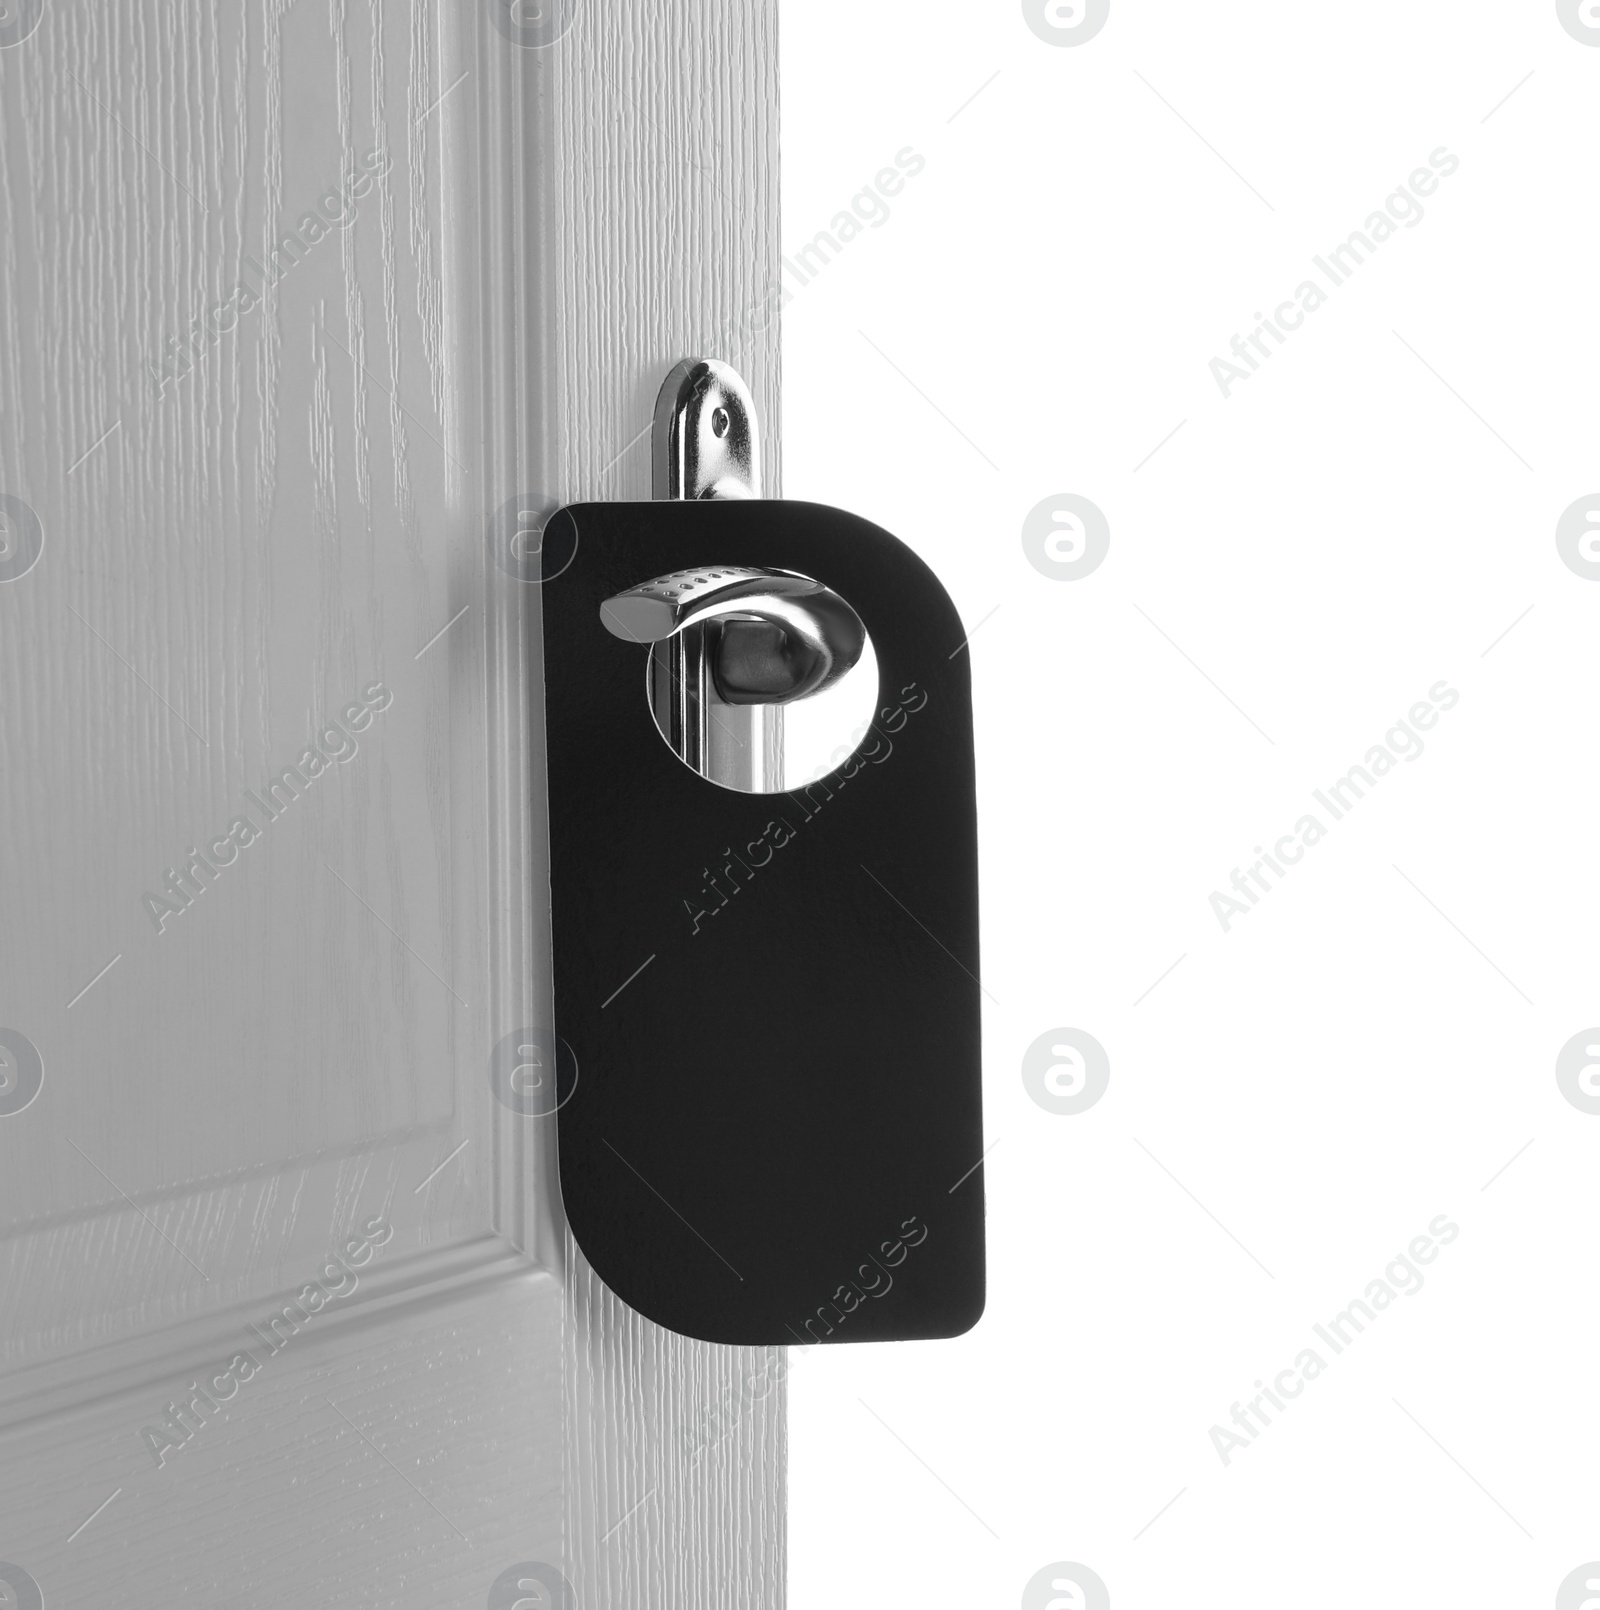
{"points": [[295, 302]]}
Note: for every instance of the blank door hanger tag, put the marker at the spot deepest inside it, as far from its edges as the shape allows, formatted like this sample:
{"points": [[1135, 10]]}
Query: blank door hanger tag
{"points": [[769, 985]]}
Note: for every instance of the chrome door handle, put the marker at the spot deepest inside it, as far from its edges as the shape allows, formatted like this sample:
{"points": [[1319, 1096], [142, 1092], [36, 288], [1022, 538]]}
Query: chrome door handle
{"points": [[730, 645], [783, 637]]}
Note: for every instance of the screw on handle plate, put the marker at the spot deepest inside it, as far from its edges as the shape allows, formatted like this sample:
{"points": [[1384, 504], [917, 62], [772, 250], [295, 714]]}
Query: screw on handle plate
{"points": [[706, 444]]}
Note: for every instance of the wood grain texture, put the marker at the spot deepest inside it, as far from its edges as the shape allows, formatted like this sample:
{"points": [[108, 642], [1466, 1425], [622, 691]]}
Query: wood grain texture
{"points": [[246, 527], [233, 554], [405, 1458], [650, 226]]}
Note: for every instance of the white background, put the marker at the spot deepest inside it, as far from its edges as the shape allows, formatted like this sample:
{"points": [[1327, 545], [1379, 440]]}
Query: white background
{"points": [[1288, 574]]}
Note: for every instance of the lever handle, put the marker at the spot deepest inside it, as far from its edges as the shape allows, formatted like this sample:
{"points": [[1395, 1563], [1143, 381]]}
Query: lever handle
{"points": [[783, 637]]}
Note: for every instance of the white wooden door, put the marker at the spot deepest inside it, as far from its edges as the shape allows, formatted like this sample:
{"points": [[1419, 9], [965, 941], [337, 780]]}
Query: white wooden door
{"points": [[304, 304]]}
